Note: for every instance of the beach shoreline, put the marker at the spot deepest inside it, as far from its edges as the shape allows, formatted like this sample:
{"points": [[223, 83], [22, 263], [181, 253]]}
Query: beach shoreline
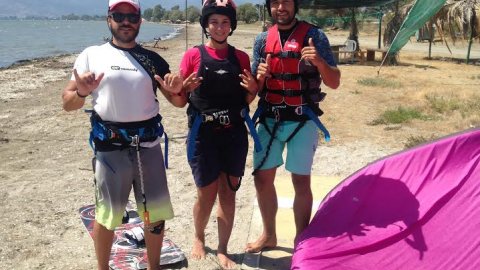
{"points": [[45, 159], [36, 40]]}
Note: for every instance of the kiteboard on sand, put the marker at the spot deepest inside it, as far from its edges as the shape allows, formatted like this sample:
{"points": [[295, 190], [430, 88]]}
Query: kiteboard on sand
{"points": [[128, 249]]}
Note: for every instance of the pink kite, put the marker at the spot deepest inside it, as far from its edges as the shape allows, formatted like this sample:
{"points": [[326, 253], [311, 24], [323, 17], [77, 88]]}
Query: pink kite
{"points": [[417, 209]]}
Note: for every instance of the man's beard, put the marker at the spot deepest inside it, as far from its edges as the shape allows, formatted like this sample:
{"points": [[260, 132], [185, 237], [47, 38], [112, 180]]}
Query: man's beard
{"points": [[123, 38], [287, 21]]}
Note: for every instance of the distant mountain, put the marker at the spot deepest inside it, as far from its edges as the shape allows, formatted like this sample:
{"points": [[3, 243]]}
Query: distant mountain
{"points": [[56, 8]]}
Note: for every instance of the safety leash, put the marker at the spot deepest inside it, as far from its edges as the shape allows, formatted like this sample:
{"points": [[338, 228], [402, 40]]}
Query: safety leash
{"points": [[267, 152], [146, 214]]}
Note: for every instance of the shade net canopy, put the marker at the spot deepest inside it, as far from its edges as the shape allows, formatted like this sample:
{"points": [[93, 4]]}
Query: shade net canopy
{"points": [[418, 15], [334, 4], [418, 209]]}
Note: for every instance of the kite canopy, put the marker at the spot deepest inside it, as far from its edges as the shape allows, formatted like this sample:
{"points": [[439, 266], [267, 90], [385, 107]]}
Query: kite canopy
{"points": [[333, 4], [418, 209]]}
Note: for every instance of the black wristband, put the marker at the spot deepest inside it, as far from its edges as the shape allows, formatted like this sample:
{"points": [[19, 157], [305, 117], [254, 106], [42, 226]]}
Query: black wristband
{"points": [[78, 94]]}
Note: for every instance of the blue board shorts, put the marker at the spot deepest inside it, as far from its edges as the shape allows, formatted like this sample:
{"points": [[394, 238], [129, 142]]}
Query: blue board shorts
{"points": [[219, 150], [300, 149], [116, 172]]}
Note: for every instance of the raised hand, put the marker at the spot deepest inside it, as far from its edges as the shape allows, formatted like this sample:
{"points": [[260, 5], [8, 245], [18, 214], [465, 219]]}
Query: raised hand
{"points": [[309, 53], [192, 82], [248, 82], [171, 83], [87, 82], [263, 70]]}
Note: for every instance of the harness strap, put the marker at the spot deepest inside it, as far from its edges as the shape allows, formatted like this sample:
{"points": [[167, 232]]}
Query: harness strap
{"points": [[309, 112], [285, 76], [252, 130], [125, 136], [192, 135], [302, 110], [258, 112], [166, 150], [291, 92], [148, 66], [200, 118], [293, 76], [121, 135], [286, 54]]}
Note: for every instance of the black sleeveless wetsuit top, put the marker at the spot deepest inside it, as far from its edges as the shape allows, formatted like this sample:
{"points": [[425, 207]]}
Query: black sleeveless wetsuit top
{"points": [[220, 88]]}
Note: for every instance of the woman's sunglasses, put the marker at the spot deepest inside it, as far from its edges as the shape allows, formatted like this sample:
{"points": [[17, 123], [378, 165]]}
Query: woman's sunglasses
{"points": [[119, 17]]}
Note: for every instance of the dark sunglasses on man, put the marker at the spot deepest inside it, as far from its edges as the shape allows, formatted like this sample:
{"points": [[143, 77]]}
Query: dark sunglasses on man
{"points": [[119, 17]]}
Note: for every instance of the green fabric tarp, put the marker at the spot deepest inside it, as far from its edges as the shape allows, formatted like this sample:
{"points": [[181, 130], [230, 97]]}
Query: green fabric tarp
{"points": [[333, 4], [419, 14]]}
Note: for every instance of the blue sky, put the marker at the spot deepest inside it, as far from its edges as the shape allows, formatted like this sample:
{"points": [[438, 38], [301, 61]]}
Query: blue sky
{"points": [[52, 8]]}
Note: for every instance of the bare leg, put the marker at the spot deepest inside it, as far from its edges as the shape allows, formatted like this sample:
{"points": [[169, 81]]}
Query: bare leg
{"points": [[225, 219], [153, 243], [267, 202], [302, 204], [201, 212], [102, 239]]}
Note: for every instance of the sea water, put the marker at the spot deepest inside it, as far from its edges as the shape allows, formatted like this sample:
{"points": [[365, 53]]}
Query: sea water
{"points": [[28, 39]]}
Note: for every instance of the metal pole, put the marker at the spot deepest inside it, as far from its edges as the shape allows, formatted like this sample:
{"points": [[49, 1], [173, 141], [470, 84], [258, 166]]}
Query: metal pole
{"points": [[471, 38], [380, 15], [186, 26], [264, 18], [201, 32], [430, 49]]}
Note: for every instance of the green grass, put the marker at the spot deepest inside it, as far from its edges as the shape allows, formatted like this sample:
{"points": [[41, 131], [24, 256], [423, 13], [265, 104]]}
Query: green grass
{"points": [[449, 104], [398, 116], [380, 82], [442, 104]]}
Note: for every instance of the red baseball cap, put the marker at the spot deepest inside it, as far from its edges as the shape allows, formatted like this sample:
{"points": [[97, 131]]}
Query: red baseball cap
{"points": [[113, 3]]}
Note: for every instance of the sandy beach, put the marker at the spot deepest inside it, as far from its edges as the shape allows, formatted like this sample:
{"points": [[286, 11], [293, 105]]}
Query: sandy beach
{"points": [[45, 159]]}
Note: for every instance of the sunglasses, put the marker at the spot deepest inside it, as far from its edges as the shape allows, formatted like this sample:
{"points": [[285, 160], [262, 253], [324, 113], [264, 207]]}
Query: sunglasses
{"points": [[120, 17]]}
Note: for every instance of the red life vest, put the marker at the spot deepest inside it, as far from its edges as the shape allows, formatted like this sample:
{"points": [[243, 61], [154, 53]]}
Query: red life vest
{"points": [[289, 74]]}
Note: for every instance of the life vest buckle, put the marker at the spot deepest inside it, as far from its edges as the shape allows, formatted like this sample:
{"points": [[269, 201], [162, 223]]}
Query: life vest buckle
{"points": [[299, 110], [243, 112], [277, 115], [224, 119], [207, 118], [135, 141]]}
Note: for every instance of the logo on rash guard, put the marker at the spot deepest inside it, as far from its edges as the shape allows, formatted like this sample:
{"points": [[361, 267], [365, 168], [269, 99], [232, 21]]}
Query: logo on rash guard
{"points": [[121, 68], [221, 72]]}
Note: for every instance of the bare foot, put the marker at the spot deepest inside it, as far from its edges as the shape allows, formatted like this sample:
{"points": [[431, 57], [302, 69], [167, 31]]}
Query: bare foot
{"points": [[225, 262], [198, 250], [262, 243]]}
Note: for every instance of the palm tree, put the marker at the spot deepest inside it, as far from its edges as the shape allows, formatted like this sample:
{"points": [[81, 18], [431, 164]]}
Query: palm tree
{"points": [[393, 26], [459, 19]]}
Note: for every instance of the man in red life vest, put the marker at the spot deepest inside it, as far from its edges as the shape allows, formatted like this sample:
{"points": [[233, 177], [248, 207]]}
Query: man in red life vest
{"points": [[290, 62]]}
